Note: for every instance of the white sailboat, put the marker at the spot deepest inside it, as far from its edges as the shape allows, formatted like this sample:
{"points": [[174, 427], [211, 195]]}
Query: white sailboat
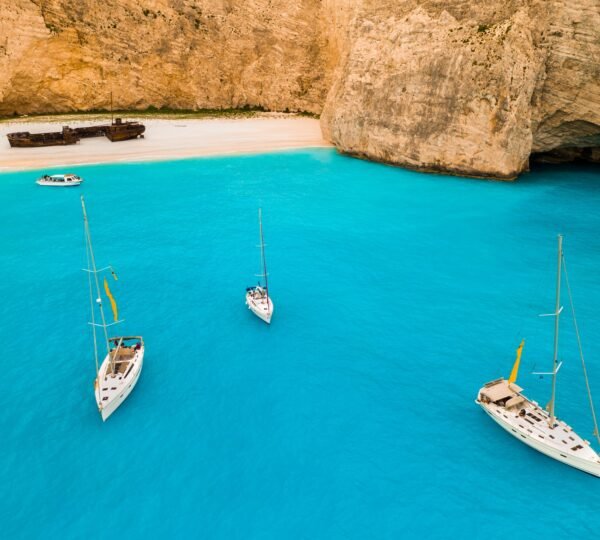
{"points": [[539, 427], [121, 368], [257, 297]]}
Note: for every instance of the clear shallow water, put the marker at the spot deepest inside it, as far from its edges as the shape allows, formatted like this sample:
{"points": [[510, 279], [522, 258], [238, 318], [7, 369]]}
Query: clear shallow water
{"points": [[397, 295]]}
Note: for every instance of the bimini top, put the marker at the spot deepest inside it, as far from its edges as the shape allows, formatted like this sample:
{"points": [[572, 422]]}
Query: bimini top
{"points": [[500, 389]]}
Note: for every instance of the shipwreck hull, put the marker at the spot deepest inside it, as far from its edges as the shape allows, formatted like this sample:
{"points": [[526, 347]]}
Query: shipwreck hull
{"points": [[116, 131], [123, 131], [24, 139], [91, 131]]}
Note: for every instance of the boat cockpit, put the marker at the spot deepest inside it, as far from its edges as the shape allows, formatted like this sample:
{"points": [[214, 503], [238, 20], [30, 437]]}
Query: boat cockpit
{"points": [[122, 355]]}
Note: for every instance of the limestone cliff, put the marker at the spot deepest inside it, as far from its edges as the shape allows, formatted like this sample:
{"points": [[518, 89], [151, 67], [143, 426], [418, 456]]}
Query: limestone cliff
{"points": [[566, 104], [467, 87], [66, 55], [450, 85]]}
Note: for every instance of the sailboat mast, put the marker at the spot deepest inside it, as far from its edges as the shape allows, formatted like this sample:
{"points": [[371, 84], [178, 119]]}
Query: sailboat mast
{"points": [[556, 322], [112, 121], [89, 273], [94, 271], [262, 254]]}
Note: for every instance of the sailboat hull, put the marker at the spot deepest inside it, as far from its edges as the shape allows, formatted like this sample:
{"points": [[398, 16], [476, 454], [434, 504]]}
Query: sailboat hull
{"points": [[261, 307], [112, 390], [589, 463]]}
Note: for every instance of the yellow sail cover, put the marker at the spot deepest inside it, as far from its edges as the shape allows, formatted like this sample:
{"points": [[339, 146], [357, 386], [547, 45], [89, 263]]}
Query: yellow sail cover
{"points": [[112, 300], [515, 369]]}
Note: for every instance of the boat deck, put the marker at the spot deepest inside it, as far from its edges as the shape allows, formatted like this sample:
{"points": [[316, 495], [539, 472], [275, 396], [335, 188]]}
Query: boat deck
{"points": [[259, 303], [117, 371], [528, 420]]}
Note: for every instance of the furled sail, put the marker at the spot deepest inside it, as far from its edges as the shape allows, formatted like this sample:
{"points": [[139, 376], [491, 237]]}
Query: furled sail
{"points": [[515, 369], [112, 300]]}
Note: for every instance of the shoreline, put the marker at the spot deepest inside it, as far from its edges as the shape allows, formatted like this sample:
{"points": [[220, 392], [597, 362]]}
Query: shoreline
{"points": [[164, 140]]}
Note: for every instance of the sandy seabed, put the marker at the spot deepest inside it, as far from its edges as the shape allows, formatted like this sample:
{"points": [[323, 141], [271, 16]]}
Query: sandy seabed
{"points": [[164, 139]]}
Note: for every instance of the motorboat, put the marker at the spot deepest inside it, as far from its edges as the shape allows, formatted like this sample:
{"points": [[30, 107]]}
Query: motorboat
{"points": [[59, 180]]}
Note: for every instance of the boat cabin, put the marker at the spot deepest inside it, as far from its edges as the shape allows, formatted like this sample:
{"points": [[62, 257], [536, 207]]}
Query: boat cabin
{"points": [[60, 178], [502, 393]]}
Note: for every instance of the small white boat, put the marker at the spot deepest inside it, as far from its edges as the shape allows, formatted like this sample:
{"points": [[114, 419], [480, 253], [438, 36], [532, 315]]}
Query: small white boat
{"points": [[533, 425], [120, 370], [59, 180], [257, 297]]}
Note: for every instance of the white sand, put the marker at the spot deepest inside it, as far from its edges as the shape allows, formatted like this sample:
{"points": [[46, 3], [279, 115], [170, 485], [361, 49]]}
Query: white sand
{"points": [[164, 139]]}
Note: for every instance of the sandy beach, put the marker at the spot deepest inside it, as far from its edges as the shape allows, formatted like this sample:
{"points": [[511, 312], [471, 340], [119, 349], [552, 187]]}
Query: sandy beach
{"points": [[163, 139]]}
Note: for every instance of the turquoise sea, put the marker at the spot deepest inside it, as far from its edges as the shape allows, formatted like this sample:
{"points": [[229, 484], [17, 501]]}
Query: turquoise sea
{"points": [[397, 294]]}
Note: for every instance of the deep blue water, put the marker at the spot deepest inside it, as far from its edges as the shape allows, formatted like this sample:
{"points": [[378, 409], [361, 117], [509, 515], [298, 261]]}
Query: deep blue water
{"points": [[397, 294]]}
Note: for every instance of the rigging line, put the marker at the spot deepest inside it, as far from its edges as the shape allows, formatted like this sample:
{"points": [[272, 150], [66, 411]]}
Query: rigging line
{"points": [[556, 326], [264, 261], [587, 382], [89, 274], [93, 261], [87, 256]]}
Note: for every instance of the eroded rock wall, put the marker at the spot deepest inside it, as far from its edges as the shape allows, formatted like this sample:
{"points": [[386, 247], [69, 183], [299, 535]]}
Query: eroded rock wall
{"points": [[441, 90], [66, 55], [566, 106], [467, 87]]}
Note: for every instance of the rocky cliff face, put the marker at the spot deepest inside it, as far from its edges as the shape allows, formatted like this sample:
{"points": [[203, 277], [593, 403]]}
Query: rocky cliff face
{"points": [[66, 55], [449, 85], [466, 87], [566, 103]]}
